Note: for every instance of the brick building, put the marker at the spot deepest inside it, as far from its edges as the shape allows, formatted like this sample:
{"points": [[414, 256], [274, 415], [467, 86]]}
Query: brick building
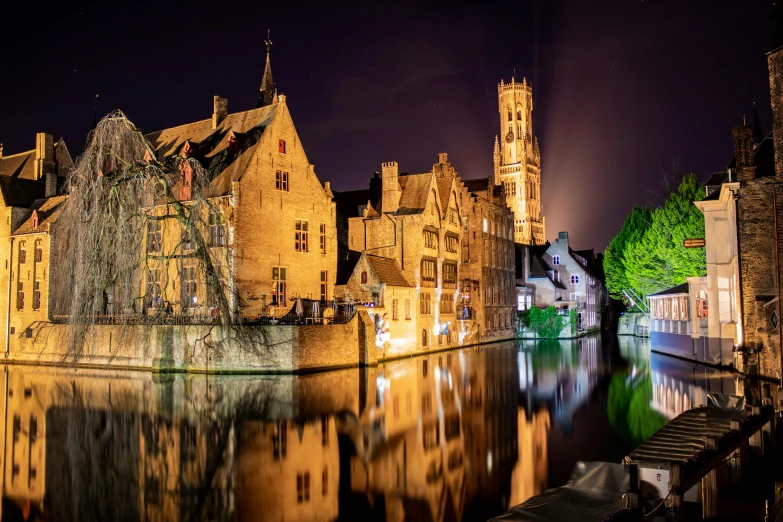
{"points": [[759, 201], [517, 160], [487, 269], [556, 275], [29, 182], [415, 219]]}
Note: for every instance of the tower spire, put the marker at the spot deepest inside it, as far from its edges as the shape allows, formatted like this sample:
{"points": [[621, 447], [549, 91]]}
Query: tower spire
{"points": [[266, 93]]}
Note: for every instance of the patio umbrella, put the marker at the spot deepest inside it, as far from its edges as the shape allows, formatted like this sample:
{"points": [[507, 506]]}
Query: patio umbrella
{"points": [[299, 307]]}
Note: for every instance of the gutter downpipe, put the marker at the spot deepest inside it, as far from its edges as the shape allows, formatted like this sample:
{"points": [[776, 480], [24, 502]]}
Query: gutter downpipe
{"points": [[8, 303], [777, 281]]}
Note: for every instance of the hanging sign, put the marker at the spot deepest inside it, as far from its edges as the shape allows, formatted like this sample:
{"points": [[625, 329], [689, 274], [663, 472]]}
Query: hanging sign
{"points": [[696, 242]]}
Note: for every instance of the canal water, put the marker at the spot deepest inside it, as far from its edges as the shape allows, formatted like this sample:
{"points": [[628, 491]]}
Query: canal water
{"points": [[458, 435]]}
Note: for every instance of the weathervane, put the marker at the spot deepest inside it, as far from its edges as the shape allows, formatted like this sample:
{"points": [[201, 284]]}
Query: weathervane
{"points": [[268, 41]]}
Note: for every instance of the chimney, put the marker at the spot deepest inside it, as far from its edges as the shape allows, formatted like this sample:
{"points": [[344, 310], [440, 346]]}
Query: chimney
{"points": [[44, 154], [390, 187], [443, 157], [51, 185], [220, 111], [563, 236], [743, 152]]}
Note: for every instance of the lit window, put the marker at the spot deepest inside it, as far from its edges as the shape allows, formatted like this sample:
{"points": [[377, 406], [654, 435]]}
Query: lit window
{"points": [[36, 295], [574, 279], [217, 229], [300, 236], [324, 284], [484, 225], [281, 180], [555, 260], [278, 286], [428, 275], [188, 285], [425, 305], [153, 236]]}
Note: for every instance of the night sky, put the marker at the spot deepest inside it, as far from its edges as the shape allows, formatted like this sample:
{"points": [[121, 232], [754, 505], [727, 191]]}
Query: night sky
{"points": [[622, 89]]}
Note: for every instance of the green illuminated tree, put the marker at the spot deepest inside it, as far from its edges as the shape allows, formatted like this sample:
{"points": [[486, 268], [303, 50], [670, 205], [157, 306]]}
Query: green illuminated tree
{"points": [[652, 258], [636, 224]]}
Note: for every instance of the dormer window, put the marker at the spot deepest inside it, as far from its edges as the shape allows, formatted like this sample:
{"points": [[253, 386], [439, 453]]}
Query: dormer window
{"points": [[35, 219], [555, 260], [281, 146]]}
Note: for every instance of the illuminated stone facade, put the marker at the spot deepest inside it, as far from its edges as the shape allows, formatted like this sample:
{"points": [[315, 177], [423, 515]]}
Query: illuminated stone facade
{"points": [[517, 160]]}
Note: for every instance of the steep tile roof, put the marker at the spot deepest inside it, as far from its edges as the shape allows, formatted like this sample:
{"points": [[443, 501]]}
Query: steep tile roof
{"points": [[212, 147], [388, 271], [20, 165], [415, 191], [48, 211]]}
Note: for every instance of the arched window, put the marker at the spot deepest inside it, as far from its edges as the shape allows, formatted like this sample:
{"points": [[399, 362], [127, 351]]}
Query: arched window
{"points": [[364, 278], [424, 338], [510, 114], [519, 114]]}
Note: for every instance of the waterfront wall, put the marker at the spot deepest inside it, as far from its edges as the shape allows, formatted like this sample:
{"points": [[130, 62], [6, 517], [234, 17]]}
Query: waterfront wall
{"points": [[216, 348], [208, 348], [634, 323]]}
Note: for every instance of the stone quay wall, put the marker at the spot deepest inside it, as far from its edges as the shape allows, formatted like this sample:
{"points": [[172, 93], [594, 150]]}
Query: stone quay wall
{"points": [[202, 348]]}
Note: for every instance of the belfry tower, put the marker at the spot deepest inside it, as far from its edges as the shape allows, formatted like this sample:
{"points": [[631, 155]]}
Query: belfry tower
{"points": [[518, 161]]}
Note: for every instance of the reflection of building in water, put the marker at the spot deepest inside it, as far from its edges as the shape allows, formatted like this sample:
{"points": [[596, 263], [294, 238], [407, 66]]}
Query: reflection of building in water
{"points": [[133, 446], [560, 374], [410, 450], [531, 473], [490, 390], [672, 396], [287, 470]]}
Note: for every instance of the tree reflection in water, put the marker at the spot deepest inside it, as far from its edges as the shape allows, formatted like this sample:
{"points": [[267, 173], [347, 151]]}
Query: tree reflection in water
{"points": [[450, 436]]}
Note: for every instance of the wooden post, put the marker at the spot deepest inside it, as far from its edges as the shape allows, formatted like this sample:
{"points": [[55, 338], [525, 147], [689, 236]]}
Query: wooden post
{"points": [[674, 502], [709, 486], [755, 440], [736, 457], [631, 497]]}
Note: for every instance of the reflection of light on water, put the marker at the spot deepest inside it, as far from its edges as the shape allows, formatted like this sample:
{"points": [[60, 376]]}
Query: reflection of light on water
{"points": [[489, 462]]}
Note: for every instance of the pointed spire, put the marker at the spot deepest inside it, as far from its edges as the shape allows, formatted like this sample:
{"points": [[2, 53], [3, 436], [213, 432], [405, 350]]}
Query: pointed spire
{"points": [[758, 134], [266, 93], [496, 152]]}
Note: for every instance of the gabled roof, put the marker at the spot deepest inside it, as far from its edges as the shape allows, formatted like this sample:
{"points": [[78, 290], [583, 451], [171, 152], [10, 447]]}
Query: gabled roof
{"points": [[212, 147], [444, 191], [388, 271], [21, 165], [679, 289], [415, 192], [48, 211]]}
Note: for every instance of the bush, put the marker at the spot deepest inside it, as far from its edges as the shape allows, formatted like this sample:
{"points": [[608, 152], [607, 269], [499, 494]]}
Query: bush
{"points": [[546, 322]]}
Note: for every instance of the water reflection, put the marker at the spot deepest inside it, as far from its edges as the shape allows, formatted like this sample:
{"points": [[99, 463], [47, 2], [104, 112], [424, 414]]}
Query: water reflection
{"points": [[452, 436]]}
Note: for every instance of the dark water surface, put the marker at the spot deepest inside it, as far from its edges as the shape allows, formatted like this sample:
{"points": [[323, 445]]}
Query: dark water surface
{"points": [[451, 436]]}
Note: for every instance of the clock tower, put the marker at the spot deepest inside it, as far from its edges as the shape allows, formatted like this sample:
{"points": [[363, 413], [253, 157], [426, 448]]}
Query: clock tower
{"points": [[518, 161]]}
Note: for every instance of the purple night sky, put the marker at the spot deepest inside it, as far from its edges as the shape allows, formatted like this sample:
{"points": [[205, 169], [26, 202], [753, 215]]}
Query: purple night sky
{"points": [[622, 88]]}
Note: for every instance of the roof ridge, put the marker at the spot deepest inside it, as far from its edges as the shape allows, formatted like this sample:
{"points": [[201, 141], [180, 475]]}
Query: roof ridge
{"points": [[6, 156], [207, 120]]}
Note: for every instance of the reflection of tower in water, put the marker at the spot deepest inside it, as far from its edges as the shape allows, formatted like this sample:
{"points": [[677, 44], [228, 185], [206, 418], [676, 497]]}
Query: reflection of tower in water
{"points": [[530, 474]]}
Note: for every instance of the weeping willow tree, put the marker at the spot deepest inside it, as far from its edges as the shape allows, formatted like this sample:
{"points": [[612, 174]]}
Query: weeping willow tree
{"points": [[109, 257]]}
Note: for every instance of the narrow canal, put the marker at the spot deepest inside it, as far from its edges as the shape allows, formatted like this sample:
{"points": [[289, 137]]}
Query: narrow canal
{"points": [[450, 436]]}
